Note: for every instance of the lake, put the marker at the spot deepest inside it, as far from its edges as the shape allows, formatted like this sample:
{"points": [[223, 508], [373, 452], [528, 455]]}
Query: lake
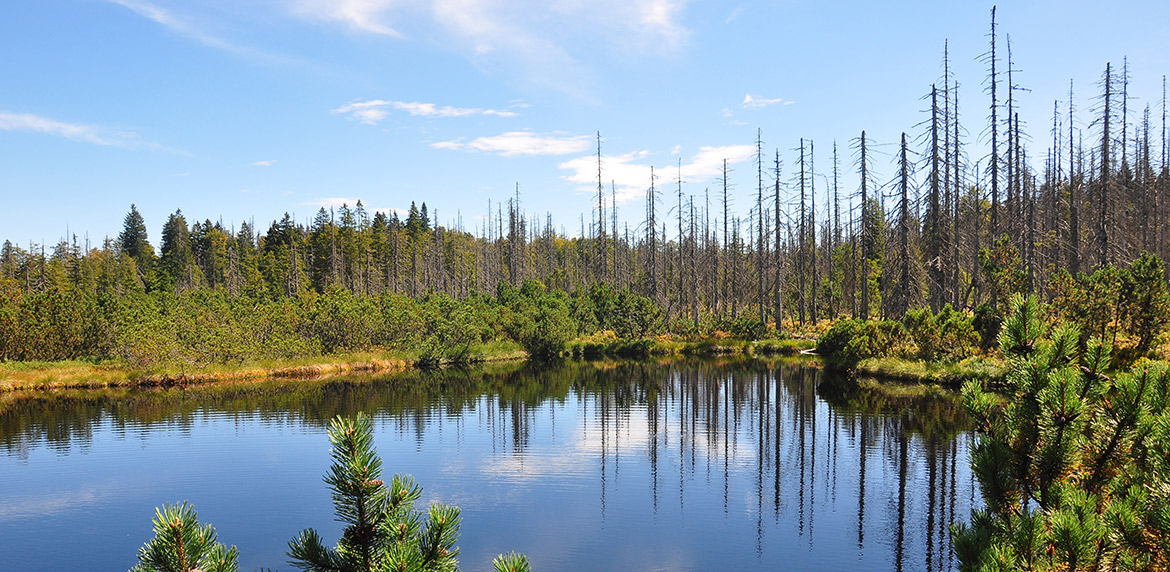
{"points": [[675, 465]]}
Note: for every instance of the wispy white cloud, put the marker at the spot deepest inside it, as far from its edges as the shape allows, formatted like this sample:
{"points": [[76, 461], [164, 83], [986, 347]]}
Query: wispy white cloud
{"points": [[73, 131], [708, 162], [331, 202], [186, 27], [374, 111], [368, 112], [362, 15], [630, 175], [757, 102], [643, 24], [267, 163], [523, 39], [521, 143], [736, 13], [549, 44]]}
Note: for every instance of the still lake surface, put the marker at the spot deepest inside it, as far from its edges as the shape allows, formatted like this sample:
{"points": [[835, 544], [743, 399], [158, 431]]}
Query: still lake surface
{"points": [[680, 465]]}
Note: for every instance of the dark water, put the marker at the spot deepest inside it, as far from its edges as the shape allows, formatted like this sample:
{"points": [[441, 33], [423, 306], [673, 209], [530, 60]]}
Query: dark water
{"points": [[630, 466]]}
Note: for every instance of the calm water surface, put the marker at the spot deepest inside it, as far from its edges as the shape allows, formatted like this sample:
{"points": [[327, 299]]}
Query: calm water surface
{"points": [[696, 465]]}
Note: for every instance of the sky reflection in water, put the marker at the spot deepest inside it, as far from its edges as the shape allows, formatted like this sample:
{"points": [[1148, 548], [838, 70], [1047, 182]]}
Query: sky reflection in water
{"points": [[694, 465]]}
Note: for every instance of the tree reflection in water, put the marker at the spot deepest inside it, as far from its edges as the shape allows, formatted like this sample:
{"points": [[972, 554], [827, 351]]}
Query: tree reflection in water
{"points": [[824, 471]]}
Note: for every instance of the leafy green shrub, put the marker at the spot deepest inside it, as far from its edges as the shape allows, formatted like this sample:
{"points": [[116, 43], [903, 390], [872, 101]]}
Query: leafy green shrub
{"points": [[181, 544], [1144, 302], [742, 326], [1130, 306], [604, 307], [849, 341], [539, 320], [946, 336], [986, 323]]}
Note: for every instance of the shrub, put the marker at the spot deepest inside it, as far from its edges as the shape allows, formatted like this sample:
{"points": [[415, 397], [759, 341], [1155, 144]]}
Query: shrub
{"points": [[181, 544], [849, 341], [540, 320], [946, 336], [1074, 468], [743, 326]]}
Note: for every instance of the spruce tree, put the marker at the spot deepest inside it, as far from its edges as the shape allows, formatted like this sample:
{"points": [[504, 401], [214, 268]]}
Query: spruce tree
{"points": [[133, 242]]}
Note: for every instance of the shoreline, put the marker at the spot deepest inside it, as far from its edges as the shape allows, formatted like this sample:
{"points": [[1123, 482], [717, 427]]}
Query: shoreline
{"points": [[52, 376], [81, 374], [989, 371], [77, 374]]}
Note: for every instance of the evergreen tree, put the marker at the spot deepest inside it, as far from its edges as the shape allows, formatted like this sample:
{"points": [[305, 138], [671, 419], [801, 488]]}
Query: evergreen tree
{"points": [[1074, 470], [181, 544], [383, 529], [177, 263], [133, 242]]}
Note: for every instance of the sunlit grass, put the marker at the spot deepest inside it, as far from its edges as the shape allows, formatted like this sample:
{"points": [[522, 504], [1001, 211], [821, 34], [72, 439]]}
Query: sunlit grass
{"points": [[987, 370], [33, 375]]}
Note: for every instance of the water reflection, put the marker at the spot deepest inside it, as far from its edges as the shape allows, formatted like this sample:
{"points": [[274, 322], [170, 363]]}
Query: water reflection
{"points": [[693, 464]]}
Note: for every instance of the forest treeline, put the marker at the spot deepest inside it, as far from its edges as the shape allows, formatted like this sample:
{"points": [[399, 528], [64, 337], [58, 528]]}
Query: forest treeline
{"points": [[947, 228]]}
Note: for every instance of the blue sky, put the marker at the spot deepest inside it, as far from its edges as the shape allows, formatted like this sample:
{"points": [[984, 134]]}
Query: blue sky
{"points": [[245, 110]]}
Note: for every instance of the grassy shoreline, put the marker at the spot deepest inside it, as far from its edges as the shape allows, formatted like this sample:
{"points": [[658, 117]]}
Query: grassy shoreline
{"points": [[80, 374], [989, 371]]}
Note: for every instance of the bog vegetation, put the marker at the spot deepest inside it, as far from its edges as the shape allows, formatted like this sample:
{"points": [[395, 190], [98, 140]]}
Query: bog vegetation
{"points": [[1061, 212], [1073, 466]]}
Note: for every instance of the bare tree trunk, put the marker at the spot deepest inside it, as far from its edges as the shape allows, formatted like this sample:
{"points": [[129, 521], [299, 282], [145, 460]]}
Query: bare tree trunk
{"points": [[760, 227], [778, 286], [865, 239], [812, 227], [994, 79], [802, 231], [1074, 183], [934, 220], [1103, 184], [904, 231], [955, 270]]}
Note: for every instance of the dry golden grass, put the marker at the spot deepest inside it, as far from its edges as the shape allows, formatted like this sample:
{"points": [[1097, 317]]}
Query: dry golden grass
{"points": [[52, 376]]}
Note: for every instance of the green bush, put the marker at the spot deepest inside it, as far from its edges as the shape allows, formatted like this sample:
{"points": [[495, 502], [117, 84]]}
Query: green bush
{"points": [[540, 320], [1128, 305], [946, 336], [742, 326], [629, 315], [181, 544], [849, 341]]}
